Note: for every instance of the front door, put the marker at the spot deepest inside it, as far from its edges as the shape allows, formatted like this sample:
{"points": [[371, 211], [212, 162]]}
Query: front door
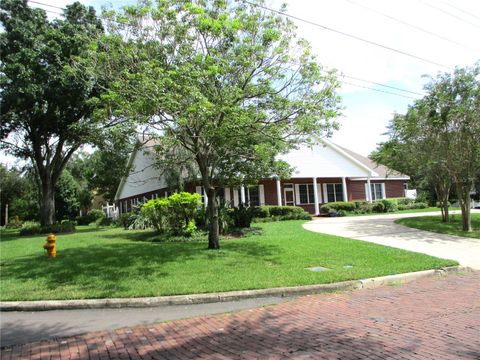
{"points": [[288, 194]]}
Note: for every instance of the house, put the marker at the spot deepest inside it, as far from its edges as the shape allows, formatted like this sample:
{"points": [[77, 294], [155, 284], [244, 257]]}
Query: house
{"points": [[323, 173]]}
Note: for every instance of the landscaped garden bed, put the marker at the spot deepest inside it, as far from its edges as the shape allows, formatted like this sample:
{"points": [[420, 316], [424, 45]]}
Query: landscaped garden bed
{"points": [[113, 262]]}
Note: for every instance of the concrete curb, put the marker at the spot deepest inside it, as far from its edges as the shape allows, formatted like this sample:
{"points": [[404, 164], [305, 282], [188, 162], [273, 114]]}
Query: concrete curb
{"points": [[371, 283]]}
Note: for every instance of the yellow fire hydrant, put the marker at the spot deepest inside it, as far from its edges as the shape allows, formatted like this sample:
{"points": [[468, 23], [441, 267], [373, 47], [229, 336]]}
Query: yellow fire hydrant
{"points": [[51, 245]]}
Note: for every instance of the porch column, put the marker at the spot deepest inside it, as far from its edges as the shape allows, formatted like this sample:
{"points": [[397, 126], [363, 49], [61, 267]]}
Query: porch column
{"points": [[369, 190], [315, 196], [344, 186], [242, 195], [279, 193]]}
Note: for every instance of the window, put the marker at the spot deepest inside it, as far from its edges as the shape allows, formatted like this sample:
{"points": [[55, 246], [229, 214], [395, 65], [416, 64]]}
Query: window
{"points": [[334, 192], [253, 196], [306, 194], [377, 191]]}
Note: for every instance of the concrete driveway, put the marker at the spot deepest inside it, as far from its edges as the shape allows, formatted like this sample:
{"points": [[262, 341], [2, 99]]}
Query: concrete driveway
{"points": [[381, 229]]}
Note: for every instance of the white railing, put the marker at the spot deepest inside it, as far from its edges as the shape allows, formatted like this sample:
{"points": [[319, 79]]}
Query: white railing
{"points": [[111, 211]]}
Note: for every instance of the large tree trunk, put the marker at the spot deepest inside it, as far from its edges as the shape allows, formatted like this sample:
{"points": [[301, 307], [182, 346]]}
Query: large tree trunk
{"points": [[212, 208], [443, 193], [463, 192], [47, 206], [465, 208], [466, 217], [213, 232]]}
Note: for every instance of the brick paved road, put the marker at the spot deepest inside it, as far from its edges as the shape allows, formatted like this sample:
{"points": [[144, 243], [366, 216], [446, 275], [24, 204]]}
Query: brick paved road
{"points": [[429, 319]]}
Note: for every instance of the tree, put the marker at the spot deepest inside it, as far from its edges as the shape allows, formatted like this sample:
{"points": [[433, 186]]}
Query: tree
{"points": [[414, 150], [106, 166], [67, 196], [454, 102], [439, 138], [18, 191], [229, 84], [46, 101]]}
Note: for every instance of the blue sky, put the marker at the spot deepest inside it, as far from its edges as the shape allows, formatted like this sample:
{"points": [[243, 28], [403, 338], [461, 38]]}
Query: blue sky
{"points": [[368, 112]]}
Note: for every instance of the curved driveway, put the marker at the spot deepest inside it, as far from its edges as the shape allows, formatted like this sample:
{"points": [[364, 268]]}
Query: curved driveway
{"points": [[381, 229]]}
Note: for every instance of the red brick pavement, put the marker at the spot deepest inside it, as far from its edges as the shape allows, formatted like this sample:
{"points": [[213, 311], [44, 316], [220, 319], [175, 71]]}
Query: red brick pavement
{"points": [[429, 319]]}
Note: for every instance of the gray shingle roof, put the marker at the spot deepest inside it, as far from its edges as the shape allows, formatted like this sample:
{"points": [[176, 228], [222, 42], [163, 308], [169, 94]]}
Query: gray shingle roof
{"points": [[382, 170]]}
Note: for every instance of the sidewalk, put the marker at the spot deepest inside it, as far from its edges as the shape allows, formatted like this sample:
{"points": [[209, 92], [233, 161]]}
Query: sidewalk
{"points": [[428, 319]]}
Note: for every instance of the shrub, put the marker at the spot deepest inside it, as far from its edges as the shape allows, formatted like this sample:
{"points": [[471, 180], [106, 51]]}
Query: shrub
{"points": [[96, 214], [242, 216], [104, 221], [33, 228], [182, 208], [30, 228], [419, 205], [125, 220], [336, 206], [14, 223], [390, 205], [285, 210], [325, 209], [138, 221], [405, 201], [91, 217], [262, 212], [378, 207], [83, 220], [296, 216], [341, 213], [156, 212], [278, 213], [224, 219]]}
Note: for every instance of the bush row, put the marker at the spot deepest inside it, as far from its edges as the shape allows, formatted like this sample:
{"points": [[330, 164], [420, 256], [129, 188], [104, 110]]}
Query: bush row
{"points": [[181, 214], [379, 206], [34, 228], [92, 216]]}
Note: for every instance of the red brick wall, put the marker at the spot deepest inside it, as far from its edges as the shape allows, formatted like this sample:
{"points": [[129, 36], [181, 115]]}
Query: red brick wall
{"points": [[394, 188], [355, 190]]}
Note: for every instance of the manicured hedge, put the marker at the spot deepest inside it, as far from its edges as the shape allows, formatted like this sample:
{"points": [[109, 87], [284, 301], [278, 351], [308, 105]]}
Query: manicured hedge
{"points": [[337, 206], [276, 213], [379, 206]]}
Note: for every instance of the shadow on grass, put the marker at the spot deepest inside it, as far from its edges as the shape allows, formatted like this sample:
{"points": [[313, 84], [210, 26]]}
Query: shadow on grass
{"points": [[9, 235], [109, 270]]}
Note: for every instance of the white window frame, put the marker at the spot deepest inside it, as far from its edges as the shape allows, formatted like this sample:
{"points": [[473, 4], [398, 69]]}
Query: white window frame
{"points": [[261, 195], [373, 192], [297, 190], [325, 192]]}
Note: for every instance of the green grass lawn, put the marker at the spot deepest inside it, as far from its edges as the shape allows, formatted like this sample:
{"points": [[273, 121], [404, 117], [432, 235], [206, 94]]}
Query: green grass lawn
{"points": [[113, 262], [411, 211], [435, 224]]}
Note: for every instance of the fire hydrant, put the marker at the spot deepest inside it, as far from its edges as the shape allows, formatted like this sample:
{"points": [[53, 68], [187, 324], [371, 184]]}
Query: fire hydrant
{"points": [[51, 246]]}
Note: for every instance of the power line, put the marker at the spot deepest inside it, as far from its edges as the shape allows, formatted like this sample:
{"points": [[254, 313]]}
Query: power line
{"points": [[379, 90], [449, 14], [463, 11], [410, 25], [343, 75], [40, 3], [379, 84], [349, 35]]}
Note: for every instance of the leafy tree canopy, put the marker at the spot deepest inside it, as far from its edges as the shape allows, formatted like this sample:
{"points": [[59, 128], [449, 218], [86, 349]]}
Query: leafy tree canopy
{"points": [[226, 85]]}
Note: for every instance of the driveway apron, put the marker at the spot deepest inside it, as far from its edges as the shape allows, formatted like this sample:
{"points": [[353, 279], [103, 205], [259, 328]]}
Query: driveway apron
{"points": [[381, 229]]}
